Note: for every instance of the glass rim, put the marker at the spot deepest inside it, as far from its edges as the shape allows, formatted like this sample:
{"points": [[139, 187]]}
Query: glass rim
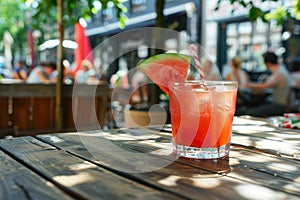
{"points": [[201, 82]]}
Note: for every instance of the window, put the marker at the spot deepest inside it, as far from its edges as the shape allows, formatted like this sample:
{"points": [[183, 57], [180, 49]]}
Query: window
{"points": [[138, 5], [250, 40], [108, 12]]}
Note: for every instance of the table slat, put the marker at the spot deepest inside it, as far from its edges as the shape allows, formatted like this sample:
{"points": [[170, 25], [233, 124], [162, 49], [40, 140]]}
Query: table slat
{"points": [[81, 179], [18, 182], [197, 174]]}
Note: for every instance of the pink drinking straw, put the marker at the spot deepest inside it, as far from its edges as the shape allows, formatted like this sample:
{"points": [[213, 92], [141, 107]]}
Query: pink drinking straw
{"points": [[194, 51]]}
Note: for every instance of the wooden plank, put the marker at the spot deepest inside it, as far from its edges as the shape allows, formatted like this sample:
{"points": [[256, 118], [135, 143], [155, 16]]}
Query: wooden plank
{"points": [[84, 179], [281, 148], [18, 182], [22, 113], [282, 168], [167, 179], [265, 169], [4, 112], [279, 164], [86, 112], [24, 90], [6, 122], [263, 129], [68, 120], [89, 112], [84, 90], [196, 176], [101, 106], [43, 113], [259, 134], [282, 143], [31, 117]]}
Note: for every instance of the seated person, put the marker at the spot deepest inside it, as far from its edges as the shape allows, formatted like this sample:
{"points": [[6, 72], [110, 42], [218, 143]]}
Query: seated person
{"points": [[42, 73], [237, 74], [20, 71], [86, 72], [279, 81]]}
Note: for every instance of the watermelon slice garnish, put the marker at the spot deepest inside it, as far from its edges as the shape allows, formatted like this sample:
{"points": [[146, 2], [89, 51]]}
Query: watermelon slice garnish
{"points": [[165, 68]]}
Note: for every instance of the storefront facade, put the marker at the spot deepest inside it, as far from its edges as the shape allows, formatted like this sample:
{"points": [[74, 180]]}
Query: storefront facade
{"points": [[236, 35], [180, 15]]}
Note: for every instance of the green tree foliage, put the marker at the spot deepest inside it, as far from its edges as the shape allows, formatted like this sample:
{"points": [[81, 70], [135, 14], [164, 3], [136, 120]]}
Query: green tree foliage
{"points": [[13, 19], [45, 11], [279, 14], [17, 16]]}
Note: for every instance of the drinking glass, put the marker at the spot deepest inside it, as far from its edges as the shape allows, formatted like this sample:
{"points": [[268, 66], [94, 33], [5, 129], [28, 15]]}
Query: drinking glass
{"points": [[201, 115]]}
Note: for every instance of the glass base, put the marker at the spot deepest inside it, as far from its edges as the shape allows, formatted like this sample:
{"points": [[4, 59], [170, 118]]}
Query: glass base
{"points": [[201, 153]]}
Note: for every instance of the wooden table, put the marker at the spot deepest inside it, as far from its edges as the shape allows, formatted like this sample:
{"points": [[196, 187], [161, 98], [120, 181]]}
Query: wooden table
{"points": [[264, 163]]}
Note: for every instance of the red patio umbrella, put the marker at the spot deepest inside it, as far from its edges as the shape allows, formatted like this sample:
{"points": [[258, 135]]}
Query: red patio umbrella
{"points": [[84, 50]]}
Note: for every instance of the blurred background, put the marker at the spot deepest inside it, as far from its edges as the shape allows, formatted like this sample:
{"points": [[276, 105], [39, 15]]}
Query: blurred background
{"points": [[224, 28]]}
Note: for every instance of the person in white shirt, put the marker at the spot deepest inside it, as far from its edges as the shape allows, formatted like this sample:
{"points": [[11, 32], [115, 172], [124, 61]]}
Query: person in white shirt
{"points": [[86, 72], [42, 73]]}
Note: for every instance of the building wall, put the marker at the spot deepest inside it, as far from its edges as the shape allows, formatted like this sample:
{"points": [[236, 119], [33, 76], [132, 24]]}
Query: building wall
{"points": [[182, 16], [229, 34]]}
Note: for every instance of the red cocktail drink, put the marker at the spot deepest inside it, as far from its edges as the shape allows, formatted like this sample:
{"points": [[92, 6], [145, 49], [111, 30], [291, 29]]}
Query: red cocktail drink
{"points": [[201, 116]]}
